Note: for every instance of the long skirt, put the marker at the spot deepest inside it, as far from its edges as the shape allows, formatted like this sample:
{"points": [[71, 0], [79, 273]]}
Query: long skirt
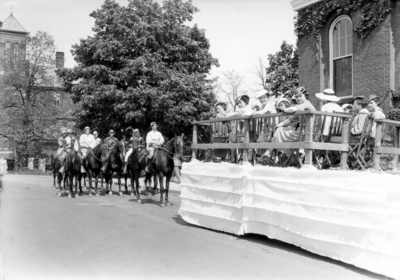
{"points": [[285, 134]]}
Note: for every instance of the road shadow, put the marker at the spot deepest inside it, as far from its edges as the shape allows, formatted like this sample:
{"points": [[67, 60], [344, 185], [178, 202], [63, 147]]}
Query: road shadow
{"points": [[178, 219], [273, 243]]}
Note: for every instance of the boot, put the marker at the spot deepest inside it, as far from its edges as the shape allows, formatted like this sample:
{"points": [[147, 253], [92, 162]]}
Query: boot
{"points": [[125, 168], [62, 169], [147, 165], [83, 170], [103, 169]]}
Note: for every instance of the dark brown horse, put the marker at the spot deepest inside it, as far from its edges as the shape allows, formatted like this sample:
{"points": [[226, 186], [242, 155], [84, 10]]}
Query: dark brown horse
{"points": [[73, 171], [58, 177], [115, 164], [162, 165], [93, 166], [136, 167]]}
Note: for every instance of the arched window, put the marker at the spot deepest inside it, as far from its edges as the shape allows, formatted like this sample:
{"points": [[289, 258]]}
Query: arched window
{"points": [[341, 56], [16, 50]]}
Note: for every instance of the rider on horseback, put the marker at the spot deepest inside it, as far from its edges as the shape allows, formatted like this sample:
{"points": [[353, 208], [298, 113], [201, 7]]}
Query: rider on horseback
{"points": [[154, 140], [96, 137], [111, 141], [86, 142], [62, 154], [70, 143], [134, 143]]}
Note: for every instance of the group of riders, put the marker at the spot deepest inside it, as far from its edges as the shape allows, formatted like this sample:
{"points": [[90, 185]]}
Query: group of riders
{"points": [[87, 142]]}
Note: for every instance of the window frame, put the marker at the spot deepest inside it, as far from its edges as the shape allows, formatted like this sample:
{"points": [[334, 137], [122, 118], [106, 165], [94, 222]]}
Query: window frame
{"points": [[331, 59]]}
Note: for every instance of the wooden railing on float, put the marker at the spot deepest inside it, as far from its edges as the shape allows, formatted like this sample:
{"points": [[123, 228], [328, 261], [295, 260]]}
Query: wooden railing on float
{"points": [[318, 131]]}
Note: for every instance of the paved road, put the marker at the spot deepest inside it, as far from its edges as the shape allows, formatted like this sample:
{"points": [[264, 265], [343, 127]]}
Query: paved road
{"points": [[43, 236]]}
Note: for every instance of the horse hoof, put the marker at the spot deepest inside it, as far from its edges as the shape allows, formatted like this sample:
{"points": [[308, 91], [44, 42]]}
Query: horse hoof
{"points": [[139, 201], [110, 193], [69, 196], [168, 204], [97, 194], [162, 205], [90, 195], [121, 194], [59, 194], [77, 196], [131, 194]]}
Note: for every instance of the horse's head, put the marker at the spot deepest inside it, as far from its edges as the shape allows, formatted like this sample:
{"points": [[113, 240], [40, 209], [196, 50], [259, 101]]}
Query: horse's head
{"points": [[179, 147], [121, 148]]}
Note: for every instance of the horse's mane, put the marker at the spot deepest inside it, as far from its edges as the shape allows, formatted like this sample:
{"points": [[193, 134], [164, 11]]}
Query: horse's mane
{"points": [[170, 144]]}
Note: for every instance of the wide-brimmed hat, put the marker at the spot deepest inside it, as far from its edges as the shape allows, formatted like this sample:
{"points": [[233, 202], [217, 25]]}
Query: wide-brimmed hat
{"points": [[63, 131], [328, 95], [347, 105], [263, 92], [135, 130], [86, 128], [373, 97], [69, 131], [282, 100], [111, 131], [223, 104], [240, 98]]}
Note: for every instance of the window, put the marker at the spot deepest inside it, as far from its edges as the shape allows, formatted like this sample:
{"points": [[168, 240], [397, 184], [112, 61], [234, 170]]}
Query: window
{"points": [[8, 45], [341, 56], [57, 98], [16, 50]]}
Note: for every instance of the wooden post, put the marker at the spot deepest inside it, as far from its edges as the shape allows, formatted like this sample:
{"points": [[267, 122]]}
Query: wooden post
{"points": [[246, 140], [309, 130], [211, 138], [396, 157], [378, 141], [194, 141], [345, 141]]}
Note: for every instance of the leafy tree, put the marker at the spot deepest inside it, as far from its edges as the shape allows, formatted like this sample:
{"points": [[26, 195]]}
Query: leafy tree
{"points": [[26, 98], [143, 64], [282, 72]]}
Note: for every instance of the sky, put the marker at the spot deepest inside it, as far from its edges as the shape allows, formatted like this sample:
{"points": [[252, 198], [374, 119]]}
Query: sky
{"points": [[240, 31]]}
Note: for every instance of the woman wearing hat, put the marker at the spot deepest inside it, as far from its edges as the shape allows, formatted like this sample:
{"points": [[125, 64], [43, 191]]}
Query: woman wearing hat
{"points": [[86, 142], [220, 110], [154, 139], [376, 111], [267, 105], [62, 146], [111, 141], [329, 99], [134, 143]]}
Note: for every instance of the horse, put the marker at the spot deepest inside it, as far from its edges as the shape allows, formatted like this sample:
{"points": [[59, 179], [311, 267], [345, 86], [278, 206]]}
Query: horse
{"points": [[93, 167], [162, 165], [135, 168], [73, 170], [56, 164], [115, 163]]}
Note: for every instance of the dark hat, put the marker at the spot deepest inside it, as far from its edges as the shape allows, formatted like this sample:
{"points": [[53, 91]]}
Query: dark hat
{"points": [[241, 97], [111, 131], [223, 104], [300, 90], [359, 98]]}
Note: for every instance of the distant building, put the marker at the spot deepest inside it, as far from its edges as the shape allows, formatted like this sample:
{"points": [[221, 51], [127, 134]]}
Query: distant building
{"points": [[351, 66], [13, 38]]}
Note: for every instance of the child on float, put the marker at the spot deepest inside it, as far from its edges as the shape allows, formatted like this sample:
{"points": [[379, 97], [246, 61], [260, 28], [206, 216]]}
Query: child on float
{"points": [[360, 104]]}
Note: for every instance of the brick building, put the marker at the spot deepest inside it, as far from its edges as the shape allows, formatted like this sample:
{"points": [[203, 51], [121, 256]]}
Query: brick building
{"points": [[13, 39], [341, 60]]}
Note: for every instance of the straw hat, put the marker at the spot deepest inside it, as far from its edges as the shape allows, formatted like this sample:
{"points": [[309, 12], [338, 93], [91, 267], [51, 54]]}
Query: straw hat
{"points": [[328, 95], [111, 131], [373, 97], [263, 92], [347, 105], [69, 131], [86, 128]]}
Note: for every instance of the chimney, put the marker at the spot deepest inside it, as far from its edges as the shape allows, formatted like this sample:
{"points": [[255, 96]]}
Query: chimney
{"points": [[60, 60]]}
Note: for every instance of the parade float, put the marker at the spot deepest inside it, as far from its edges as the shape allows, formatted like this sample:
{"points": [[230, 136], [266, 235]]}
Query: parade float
{"points": [[347, 215]]}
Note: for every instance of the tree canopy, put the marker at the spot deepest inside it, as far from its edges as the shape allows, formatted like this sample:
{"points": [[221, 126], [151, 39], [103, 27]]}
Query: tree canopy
{"points": [[282, 72], [144, 63]]}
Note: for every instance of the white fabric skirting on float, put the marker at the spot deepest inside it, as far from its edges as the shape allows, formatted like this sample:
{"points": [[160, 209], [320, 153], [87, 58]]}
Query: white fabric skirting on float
{"points": [[353, 217]]}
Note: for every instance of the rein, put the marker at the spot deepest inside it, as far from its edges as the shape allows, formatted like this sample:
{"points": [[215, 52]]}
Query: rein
{"points": [[91, 151]]}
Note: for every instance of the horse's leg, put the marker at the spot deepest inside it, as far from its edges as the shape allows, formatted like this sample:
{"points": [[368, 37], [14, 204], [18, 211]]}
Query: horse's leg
{"points": [[70, 183], [84, 175], [135, 181], [110, 182], [126, 183], [78, 188], [167, 180], [161, 180], [89, 175], [155, 184], [59, 181], [119, 183], [54, 178]]}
